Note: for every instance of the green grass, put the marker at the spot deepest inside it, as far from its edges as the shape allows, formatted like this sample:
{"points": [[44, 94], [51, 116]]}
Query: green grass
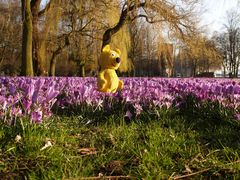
{"points": [[154, 145]]}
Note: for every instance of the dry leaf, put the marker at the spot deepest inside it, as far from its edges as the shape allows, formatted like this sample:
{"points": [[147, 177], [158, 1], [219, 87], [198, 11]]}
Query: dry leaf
{"points": [[87, 151], [112, 139], [187, 169], [100, 175], [18, 138], [114, 166], [47, 144]]}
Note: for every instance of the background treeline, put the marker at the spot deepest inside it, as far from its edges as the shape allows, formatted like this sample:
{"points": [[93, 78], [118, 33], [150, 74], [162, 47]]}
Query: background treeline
{"points": [[156, 37]]}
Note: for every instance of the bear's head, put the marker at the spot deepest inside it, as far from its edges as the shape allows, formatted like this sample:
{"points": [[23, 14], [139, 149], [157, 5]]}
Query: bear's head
{"points": [[109, 58]]}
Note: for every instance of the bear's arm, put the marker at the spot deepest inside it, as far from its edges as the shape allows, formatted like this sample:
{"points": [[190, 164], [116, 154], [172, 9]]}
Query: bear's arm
{"points": [[101, 81]]}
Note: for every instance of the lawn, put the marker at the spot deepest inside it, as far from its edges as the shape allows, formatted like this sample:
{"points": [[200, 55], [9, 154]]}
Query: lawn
{"points": [[157, 144]]}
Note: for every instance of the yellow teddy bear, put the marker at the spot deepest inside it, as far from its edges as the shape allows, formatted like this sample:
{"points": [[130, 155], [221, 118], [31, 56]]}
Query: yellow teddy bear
{"points": [[109, 61]]}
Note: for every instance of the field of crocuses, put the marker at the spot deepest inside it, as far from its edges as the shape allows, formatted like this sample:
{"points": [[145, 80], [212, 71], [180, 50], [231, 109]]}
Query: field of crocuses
{"points": [[34, 98]]}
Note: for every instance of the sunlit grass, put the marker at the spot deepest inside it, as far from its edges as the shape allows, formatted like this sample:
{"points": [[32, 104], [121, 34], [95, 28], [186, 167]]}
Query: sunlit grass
{"points": [[154, 145]]}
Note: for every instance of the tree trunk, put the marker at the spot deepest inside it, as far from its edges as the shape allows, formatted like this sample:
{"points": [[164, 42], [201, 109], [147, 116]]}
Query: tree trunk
{"points": [[39, 50], [39, 55], [53, 60], [224, 71], [194, 68], [107, 36], [27, 67], [41, 58], [82, 70], [39, 37], [53, 66], [133, 71], [35, 5], [163, 65], [237, 66], [2, 55]]}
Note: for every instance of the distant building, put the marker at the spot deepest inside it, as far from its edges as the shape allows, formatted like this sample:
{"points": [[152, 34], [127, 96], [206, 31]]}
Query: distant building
{"points": [[220, 74]]}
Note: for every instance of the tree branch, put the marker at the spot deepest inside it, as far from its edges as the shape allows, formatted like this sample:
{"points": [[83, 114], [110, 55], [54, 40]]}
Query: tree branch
{"points": [[47, 7], [147, 19], [107, 36], [82, 28]]}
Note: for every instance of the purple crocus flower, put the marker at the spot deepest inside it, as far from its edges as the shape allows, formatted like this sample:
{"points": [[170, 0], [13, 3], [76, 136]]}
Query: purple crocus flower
{"points": [[36, 116], [237, 116], [12, 89], [3, 102], [138, 108], [16, 111], [26, 104], [35, 96], [51, 93], [128, 114], [38, 85], [30, 91]]}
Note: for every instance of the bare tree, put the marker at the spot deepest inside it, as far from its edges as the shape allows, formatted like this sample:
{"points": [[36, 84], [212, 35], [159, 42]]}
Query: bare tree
{"points": [[10, 37], [220, 40], [228, 44], [136, 49], [233, 49]]}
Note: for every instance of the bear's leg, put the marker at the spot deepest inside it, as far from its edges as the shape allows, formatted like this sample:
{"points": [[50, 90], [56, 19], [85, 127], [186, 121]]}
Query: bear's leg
{"points": [[102, 84], [120, 85]]}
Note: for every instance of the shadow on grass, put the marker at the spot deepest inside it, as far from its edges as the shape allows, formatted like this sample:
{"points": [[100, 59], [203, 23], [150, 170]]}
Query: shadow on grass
{"points": [[79, 127], [215, 125]]}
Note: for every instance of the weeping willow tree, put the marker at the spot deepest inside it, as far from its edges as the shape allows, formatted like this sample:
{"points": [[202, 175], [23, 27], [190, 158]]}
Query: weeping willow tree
{"points": [[120, 39], [165, 53], [202, 54]]}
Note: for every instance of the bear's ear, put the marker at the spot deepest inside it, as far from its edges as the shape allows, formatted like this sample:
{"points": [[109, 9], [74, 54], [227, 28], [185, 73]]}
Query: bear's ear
{"points": [[106, 48], [118, 51]]}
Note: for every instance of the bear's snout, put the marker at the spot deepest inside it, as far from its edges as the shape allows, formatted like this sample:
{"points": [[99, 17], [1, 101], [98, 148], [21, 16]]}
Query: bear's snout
{"points": [[118, 60]]}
